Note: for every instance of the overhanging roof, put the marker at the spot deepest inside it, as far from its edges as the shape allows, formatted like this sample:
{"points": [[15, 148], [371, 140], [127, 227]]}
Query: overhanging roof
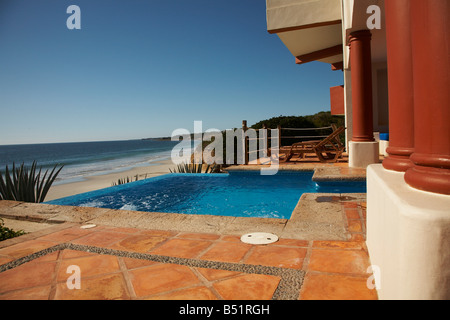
{"points": [[310, 29]]}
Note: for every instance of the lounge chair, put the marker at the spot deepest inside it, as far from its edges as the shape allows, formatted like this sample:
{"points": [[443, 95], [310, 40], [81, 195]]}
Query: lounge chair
{"points": [[329, 149]]}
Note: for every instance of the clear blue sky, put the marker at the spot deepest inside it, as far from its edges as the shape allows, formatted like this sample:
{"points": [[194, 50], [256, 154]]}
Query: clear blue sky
{"points": [[143, 68]]}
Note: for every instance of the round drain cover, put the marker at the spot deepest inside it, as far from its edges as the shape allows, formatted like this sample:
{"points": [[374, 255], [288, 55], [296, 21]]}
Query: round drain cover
{"points": [[259, 238]]}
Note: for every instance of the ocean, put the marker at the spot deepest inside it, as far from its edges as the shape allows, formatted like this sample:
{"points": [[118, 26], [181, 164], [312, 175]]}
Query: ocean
{"points": [[83, 159]]}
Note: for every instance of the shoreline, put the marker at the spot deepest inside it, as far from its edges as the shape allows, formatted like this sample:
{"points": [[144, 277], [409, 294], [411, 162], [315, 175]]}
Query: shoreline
{"points": [[96, 182]]}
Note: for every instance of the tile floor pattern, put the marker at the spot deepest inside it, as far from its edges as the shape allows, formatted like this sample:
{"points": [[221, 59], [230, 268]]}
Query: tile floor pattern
{"points": [[325, 269]]}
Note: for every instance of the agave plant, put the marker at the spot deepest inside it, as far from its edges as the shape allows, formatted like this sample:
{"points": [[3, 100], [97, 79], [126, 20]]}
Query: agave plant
{"points": [[194, 168], [125, 180], [28, 185]]}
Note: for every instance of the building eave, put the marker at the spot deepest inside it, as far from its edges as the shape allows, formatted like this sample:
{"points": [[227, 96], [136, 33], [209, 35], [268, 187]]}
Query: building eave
{"points": [[311, 30]]}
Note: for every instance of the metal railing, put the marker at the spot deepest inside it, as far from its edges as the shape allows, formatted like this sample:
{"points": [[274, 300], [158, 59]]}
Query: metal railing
{"points": [[263, 146]]}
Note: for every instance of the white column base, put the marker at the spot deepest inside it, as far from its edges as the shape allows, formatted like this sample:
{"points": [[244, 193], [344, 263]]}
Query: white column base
{"points": [[408, 237], [383, 146], [362, 154]]}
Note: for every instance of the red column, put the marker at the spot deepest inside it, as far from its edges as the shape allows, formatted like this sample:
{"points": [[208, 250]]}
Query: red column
{"points": [[361, 72], [430, 32], [401, 91]]}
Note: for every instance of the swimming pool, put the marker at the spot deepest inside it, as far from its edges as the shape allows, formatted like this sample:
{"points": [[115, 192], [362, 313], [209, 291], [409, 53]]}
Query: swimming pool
{"points": [[239, 194]]}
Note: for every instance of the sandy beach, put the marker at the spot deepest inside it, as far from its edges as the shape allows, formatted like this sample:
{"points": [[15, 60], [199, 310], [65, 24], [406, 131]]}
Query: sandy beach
{"points": [[104, 181]]}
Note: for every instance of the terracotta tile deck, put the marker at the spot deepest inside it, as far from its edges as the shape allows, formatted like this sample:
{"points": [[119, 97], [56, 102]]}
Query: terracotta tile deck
{"points": [[132, 263]]}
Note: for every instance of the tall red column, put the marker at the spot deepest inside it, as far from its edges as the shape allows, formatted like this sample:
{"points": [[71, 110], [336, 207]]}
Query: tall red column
{"points": [[430, 32], [361, 72], [401, 91]]}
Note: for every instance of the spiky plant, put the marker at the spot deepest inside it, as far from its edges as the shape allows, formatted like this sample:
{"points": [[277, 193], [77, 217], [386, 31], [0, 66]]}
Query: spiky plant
{"points": [[27, 184], [125, 180], [194, 168]]}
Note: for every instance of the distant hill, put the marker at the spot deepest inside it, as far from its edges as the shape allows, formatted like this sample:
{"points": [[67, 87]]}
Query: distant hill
{"points": [[321, 119], [165, 138], [318, 120]]}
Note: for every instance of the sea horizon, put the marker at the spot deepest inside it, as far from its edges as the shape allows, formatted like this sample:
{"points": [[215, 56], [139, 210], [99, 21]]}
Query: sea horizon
{"points": [[84, 159], [62, 142]]}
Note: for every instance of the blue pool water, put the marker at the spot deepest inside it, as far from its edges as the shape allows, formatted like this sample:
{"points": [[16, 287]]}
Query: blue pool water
{"points": [[239, 194]]}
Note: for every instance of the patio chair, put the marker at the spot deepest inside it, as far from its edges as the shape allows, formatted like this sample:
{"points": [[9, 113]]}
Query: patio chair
{"points": [[329, 149]]}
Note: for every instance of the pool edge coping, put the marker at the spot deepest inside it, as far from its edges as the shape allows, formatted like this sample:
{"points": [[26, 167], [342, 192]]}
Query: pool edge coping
{"points": [[223, 225]]}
